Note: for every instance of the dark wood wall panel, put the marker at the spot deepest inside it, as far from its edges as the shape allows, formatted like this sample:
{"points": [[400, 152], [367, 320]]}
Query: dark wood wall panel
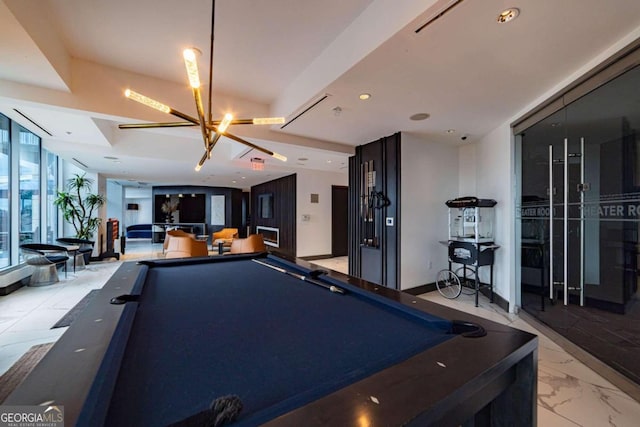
{"points": [[391, 189], [374, 246], [284, 211], [354, 213]]}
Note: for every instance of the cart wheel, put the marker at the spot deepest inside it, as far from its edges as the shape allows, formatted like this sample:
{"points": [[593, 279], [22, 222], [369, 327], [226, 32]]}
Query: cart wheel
{"points": [[468, 285], [448, 284]]}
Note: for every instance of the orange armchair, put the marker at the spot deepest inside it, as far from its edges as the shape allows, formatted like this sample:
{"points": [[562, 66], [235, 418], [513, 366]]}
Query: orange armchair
{"points": [[185, 247], [175, 233], [253, 243], [225, 233], [223, 238]]}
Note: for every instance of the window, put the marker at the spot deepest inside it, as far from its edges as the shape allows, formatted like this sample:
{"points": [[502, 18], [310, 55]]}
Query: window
{"points": [[5, 225], [51, 175], [29, 186]]}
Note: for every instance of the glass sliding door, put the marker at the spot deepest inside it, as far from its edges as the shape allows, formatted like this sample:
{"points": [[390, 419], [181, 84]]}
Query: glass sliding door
{"points": [[578, 215], [606, 122]]}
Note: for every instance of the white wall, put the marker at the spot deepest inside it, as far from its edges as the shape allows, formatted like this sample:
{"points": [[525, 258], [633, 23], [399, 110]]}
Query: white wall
{"points": [[313, 237], [141, 216], [467, 170], [429, 177], [141, 197], [137, 193], [114, 196], [494, 180]]}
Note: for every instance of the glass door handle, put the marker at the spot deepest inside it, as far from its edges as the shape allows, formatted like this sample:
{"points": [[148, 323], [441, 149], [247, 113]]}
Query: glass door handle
{"points": [[551, 194], [566, 220], [585, 187]]}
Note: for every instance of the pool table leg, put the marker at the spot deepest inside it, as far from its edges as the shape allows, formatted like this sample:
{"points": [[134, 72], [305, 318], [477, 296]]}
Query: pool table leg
{"points": [[515, 406]]}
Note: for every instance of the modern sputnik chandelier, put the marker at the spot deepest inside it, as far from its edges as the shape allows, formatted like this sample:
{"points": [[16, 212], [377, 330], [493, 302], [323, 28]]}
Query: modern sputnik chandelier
{"points": [[211, 129]]}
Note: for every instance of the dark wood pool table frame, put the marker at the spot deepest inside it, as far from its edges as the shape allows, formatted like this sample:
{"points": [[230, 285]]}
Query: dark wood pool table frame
{"points": [[484, 381]]}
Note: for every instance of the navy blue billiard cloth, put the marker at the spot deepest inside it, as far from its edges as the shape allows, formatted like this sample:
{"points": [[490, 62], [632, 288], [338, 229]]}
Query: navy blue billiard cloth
{"points": [[203, 331]]}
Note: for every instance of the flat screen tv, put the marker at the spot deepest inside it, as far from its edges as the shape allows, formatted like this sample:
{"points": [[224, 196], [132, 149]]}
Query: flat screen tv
{"points": [[265, 205]]}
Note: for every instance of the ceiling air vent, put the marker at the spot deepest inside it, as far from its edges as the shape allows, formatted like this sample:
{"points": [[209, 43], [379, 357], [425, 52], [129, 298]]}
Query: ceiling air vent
{"points": [[439, 15], [32, 122], [313, 104], [80, 163]]}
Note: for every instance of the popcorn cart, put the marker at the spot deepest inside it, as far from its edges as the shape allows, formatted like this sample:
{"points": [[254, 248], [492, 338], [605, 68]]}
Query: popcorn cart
{"points": [[470, 244]]}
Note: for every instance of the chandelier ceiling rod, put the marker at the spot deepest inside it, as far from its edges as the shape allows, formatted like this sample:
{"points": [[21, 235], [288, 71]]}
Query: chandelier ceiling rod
{"points": [[213, 18], [211, 129]]}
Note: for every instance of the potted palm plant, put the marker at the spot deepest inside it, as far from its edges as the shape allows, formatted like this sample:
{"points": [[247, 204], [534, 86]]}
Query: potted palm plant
{"points": [[78, 206]]}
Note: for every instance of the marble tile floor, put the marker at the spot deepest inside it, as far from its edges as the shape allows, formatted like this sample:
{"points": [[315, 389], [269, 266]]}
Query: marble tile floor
{"points": [[339, 264], [569, 393], [27, 315]]}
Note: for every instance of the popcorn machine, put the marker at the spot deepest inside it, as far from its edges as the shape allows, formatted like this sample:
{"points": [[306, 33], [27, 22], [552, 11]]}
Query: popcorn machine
{"points": [[470, 243]]}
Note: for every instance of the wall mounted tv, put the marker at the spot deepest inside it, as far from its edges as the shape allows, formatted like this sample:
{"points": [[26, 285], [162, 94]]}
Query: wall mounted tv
{"points": [[265, 205]]}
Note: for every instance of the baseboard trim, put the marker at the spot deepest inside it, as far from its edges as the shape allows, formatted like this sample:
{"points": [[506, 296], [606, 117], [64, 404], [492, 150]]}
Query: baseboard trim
{"points": [[422, 289], [13, 278], [12, 287], [497, 299], [315, 257], [430, 287]]}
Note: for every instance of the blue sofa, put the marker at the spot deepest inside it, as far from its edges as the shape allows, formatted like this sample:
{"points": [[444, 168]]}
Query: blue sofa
{"points": [[139, 231]]}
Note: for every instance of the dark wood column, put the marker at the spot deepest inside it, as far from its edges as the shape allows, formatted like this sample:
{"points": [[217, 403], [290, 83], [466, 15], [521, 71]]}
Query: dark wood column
{"points": [[374, 211]]}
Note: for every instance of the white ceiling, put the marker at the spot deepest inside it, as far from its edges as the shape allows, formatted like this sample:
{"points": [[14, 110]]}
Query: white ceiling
{"points": [[64, 64]]}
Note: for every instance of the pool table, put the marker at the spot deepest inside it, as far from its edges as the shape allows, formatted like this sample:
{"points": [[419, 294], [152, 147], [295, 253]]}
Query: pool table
{"points": [[164, 338]]}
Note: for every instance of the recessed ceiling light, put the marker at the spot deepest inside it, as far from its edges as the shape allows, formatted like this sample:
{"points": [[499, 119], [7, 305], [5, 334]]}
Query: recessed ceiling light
{"points": [[451, 131], [328, 161], [234, 181], [556, 124], [243, 177], [364, 96], [420, 116], [508, 15]]}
